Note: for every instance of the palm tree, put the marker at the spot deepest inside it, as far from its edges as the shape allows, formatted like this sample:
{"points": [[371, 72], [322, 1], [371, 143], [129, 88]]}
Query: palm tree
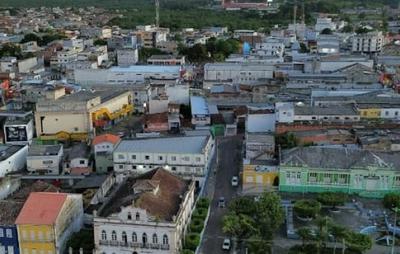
{"points": [[305, 234], [339, 233], [323, 224]]}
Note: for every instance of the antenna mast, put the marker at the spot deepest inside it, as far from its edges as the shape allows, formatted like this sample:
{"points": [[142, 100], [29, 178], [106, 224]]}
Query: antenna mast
{"points": [[157, 2]]}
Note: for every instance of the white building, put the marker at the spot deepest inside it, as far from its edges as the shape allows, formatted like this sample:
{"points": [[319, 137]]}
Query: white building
{"points": [[148, 214], [126, 75], [270, 47], [12, 158], [243, 73], [284, 112], [200, 112], [371, 42], [18, 132], [260, 119], [186, 156], [324, 23], [127, 57], [45, 159]]}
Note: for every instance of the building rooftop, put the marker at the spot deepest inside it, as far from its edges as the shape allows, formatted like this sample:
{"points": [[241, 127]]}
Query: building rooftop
{"points": [[331, 110], [177, 145], [41, 208], [6, 151], [163, 203], [199, 105], [113, 139], [148, 68], [44, 150], [339, 158], [90, 182]]}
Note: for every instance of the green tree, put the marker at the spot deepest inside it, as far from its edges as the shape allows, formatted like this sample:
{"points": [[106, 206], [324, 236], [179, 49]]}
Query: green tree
{"points": [[391, 200], [100, 42], [258, 245], [339, 233], [32, 37], [145, 53], [331, 198], [358, 242], [269, 214], [197, 53], [305, 235], [243, 205], [347, 29], [326, 31], [323, 223], [307, 208], [239, 226]]}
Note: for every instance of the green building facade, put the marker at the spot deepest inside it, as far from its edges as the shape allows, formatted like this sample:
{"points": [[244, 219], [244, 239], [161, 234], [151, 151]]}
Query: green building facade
{"points": [[352, 171]]}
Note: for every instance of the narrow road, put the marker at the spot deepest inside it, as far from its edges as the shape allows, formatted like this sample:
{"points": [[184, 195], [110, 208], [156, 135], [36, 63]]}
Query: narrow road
{"points": [[229, 160]]}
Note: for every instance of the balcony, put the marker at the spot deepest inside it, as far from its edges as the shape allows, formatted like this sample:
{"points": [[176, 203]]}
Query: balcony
{"points": [[165, 246]]}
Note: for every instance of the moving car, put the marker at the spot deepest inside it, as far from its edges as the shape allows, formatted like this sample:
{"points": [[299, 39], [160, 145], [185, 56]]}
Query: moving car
{"points": [[226, 245], [221, 202], [235, 181]]}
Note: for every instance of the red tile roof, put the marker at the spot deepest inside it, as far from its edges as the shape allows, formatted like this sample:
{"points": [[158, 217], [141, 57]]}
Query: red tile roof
{"points": [[106, 138], [41, 208]]}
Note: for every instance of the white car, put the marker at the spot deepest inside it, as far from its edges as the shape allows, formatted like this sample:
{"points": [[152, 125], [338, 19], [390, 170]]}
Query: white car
{"points": [[235, 181], [226, 245]]}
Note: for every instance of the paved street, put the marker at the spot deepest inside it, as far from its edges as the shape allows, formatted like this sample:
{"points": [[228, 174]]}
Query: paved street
{"points": [[229, 159]]}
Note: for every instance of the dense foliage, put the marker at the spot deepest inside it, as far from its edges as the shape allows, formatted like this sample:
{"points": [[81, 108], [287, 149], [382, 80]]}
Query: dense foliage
{"points": [[43, 40], [307, 208], [391, 200], [331, 198]]}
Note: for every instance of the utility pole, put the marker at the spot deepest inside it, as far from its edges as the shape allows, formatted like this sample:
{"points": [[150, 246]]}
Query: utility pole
{"points": [[294, 17], [303, 15], [157, 2], [394, 230]]}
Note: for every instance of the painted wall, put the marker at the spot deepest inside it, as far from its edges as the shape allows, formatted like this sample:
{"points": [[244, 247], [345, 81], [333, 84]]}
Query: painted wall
{"points": [[9, 239]]}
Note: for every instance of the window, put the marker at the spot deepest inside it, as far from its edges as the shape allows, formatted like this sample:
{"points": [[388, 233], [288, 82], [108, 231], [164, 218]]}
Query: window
{"points": [[121, 166], [114, 236], [1, 232], [186, 158], [155, 239], [10, 249], [40, 233], [173, 168], [134, 237], [129, 216], [81, 162], [147, 157], [165, 239], [103, 235], [133, 157], [160, 158], [198, 159], [173, 158], [124, 237], [144, 238], [47, 162], [121, 156], [137, 216], [32, 235]]}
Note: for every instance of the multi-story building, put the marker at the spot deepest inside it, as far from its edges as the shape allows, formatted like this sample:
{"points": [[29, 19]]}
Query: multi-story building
{"points": [[166, 60], [76, 116], [45, 159], [339, 169], [12, 158], [18, 131], [371, 42], [147, 214], [47, 220], [200, 113], [188, 156], [127, 57], [103, 146]]}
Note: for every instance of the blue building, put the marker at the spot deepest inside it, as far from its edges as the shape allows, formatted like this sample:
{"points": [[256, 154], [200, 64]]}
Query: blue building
{"points": [[9, 211]]}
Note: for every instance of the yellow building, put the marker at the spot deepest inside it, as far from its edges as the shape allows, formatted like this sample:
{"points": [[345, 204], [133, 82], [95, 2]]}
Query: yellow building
{"points": [[47, 220], [370, 112], [75, 116], [259, 176]]}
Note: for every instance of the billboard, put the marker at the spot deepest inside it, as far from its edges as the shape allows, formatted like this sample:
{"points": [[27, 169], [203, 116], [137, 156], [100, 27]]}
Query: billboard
{"points": [[16, 133]]}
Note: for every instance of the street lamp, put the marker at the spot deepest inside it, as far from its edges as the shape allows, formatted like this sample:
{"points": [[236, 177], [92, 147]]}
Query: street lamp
{"points": [[394, 229]]}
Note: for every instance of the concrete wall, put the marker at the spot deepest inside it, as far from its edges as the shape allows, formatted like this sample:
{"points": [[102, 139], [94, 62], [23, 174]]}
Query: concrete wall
{"points": [[25, 66], [15, 162]]}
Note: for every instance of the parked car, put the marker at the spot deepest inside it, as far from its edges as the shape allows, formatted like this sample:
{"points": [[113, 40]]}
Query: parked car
{"points": [[221, 202], [226, 245], [235, 181]]}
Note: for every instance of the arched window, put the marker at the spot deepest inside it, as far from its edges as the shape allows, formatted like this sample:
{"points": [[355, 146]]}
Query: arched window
{"points": [[137, 216], [155, 239], [103, 235], [129, 216], [124, 237], [144, 238], [114, 236], [165, 239], [134, 237]]}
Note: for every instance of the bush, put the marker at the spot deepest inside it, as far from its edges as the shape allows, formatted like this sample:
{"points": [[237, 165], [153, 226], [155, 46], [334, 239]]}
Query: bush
{"points": [[203, 203], [307, 208], [200, 213], [192, 240], [331, 198], [391, 200], [196, 225], [187, 251]]}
